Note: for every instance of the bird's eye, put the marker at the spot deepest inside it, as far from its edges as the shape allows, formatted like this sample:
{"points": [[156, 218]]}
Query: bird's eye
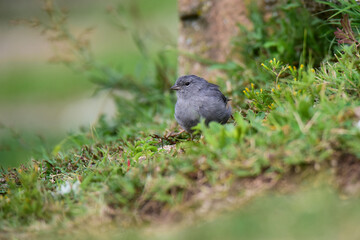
{"points": [[187, 83]]}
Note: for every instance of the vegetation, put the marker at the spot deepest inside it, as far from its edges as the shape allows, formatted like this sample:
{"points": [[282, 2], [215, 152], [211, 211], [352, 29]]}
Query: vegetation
{"points": [[297, 116]]}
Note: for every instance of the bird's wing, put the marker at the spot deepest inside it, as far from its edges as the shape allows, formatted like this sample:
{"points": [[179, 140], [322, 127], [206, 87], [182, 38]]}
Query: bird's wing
{"points": [[212, 90], [213, 103]]}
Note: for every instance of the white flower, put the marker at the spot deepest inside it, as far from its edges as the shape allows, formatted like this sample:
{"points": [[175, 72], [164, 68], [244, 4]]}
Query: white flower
{"points": [[67, 187]]}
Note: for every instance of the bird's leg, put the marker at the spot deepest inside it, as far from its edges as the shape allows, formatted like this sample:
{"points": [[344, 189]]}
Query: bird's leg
{"points": [[181, 132], [174, 134]]}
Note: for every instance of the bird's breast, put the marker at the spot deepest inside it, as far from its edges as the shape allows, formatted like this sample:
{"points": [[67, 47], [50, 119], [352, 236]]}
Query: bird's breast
{"points": [[187, 109]]}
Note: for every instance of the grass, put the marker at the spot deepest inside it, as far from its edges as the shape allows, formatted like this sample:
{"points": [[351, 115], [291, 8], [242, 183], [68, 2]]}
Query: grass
{"points": [[136, 176], [315, 213], [17, 147], [294, 126]]}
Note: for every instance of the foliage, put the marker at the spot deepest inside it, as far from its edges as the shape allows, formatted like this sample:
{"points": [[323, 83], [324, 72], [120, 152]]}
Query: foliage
{"points": [[343, 7], [311, 119], [299, 116], [346, 35], [139, 97], [289, 33]]}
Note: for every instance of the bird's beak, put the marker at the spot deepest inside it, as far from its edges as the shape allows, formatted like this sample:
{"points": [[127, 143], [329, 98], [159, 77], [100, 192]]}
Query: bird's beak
{"points": [[175, 87]]}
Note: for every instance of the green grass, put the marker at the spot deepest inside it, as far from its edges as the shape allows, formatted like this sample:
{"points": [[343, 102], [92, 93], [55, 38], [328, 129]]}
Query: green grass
{"points": [[18, 147]]}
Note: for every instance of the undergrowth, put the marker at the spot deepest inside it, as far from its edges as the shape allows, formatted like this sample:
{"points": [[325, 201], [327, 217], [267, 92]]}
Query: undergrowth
{"points": [[297, 115]]}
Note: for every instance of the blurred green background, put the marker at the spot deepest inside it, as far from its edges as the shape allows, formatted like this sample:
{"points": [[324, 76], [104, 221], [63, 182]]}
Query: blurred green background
{"points": [[41, 102], [310, 214]]}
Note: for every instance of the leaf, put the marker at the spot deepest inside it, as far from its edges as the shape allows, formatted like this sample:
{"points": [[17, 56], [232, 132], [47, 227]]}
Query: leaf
{"points": [[345, 35], [87, 180]]}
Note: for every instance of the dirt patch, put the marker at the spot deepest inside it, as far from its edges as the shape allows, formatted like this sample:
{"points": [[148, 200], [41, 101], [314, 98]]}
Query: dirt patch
{"points": [[206, 202], [348, 174]]}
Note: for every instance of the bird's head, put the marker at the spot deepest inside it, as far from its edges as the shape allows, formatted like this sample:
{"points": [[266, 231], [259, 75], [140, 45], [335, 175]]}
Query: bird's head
{"points": [[187, 85]]}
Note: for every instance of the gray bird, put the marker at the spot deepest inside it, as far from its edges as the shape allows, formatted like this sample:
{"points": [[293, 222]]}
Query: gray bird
{"points": [[197, 99]]}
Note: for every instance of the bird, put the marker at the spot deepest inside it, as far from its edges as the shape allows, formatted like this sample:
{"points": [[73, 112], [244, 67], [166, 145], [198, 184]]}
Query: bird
{"points": [[198, 99]]}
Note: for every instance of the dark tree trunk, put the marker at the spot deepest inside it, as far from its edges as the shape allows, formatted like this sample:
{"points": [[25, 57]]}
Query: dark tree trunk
{"points": [[206, 29]]}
